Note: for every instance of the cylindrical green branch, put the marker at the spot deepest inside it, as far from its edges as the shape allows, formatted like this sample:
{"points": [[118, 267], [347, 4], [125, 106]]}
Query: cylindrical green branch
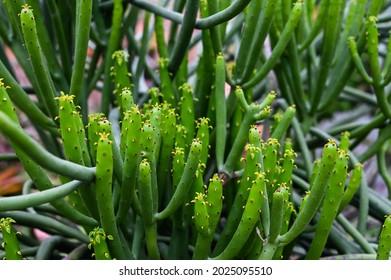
{"points": [[46, 88], [84, 15], [41, 156], [318, 189], [33, 199], [10, 243]]}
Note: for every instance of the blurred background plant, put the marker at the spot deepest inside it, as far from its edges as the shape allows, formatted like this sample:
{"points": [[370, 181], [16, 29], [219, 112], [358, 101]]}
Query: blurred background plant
{"points": [[306, 73]]}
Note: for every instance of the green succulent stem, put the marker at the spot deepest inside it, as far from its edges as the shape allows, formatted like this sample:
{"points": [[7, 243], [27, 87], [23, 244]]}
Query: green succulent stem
{"points": [[221, 110], [205, 23], [384, 248], [184, 36], [317, 192], [103, 184], [279, 48], [83, 25], [42, 156], [34, 199], [185, 182], [114, 42], [45, 84], [253, 112], [10, 243], [45, 223]]}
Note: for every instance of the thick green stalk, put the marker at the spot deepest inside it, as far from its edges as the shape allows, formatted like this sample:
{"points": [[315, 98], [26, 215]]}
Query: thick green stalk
{"points": [[253, 112], [14, 39], [72, 131], [384, 248], [75, 145], [344, 141], [10, 244], [330, 206], [249, 219], [160, 40], [187, 111], [279, 199], [251, 167], [131, 126], [203, 134], [150, 142], [318, 189], [214, 203], [46, 88], [179, 232], [270, 153], [352, 187], [146, 201], [168, 132], [121, 79], [127, 100], [221, 110], [185, 182], [103, 186], [282, 127], [285, 177], [201, 217], [98, 242]]}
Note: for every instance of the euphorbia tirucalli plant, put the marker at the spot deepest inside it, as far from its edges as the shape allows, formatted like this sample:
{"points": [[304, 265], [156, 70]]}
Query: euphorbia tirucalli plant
{"points": [[221, 156]]}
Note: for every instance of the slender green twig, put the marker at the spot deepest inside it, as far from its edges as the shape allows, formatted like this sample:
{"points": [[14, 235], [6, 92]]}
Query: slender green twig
{"points": [[114, 43], [205, 23], [279, 48], [382, 166], [44, 223], [184, 36], [360, 239], [48, 247], [34, 199], [351, 257], [83, 14], [375, 147], [42, 156]]}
